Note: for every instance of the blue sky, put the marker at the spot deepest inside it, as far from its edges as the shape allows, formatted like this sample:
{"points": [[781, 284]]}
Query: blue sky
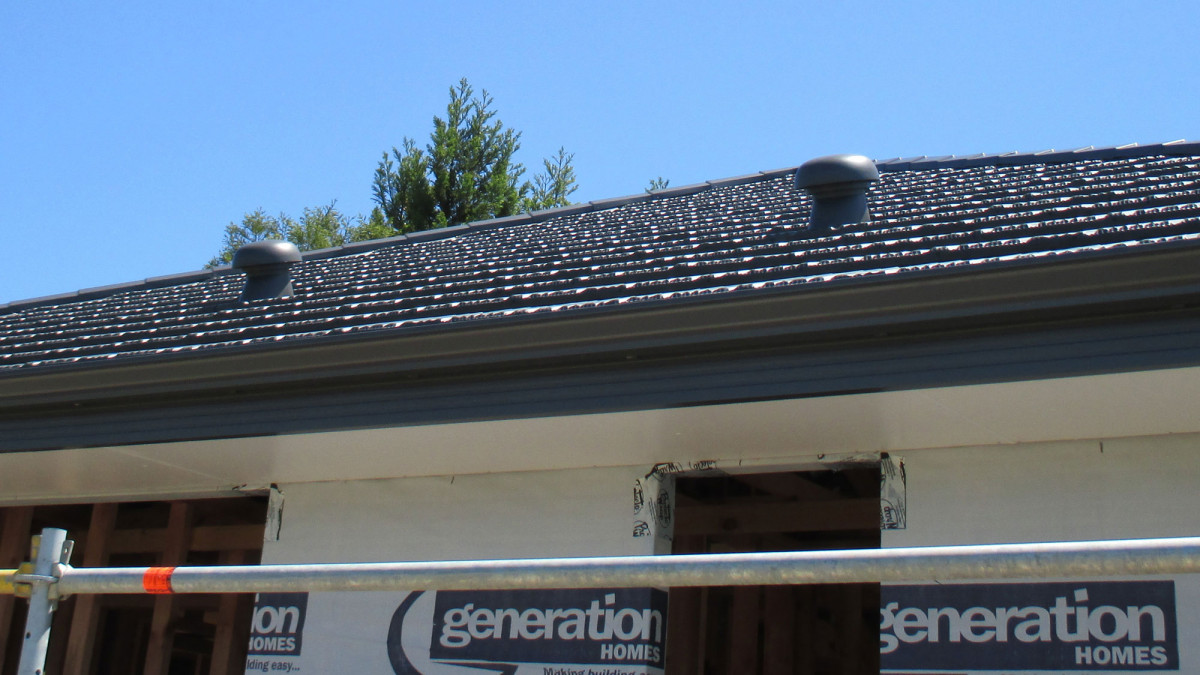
{"points": [[131, 133]]}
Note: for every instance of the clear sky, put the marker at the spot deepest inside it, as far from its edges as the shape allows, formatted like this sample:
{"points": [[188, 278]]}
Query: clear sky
{"points": [[132, 132]]}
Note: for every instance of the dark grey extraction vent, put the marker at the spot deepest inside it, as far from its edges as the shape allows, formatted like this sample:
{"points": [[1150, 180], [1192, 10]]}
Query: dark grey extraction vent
{"points": [[266, 266], [838, 185]]}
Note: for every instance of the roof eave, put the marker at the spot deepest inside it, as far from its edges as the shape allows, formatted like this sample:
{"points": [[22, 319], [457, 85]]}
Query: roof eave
{"points": [[868, 307]]}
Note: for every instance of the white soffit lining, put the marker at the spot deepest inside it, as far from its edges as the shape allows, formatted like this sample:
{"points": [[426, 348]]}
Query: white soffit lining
{"points": [[1093, 407]]}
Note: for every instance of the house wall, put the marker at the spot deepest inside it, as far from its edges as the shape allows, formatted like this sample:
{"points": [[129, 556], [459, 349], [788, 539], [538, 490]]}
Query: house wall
{"points": [[1071, 490], [984, 463], [513, 515], [1125, 488]]}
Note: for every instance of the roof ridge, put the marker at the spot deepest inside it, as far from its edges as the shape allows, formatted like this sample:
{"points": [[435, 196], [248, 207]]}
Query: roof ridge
{"points": [[540, 216], [95, 292], [374, 244], [1179, 147]]}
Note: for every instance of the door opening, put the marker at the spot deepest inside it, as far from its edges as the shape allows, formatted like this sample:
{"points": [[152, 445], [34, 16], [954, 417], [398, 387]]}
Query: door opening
{"points": [[820, 629]]}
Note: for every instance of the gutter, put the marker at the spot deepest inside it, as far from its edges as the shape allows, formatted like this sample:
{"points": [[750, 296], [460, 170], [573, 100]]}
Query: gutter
{"points": [[1113, 284]]}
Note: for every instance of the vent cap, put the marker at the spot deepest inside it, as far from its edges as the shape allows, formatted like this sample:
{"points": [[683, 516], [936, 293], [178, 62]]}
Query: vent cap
{"points": [[266, 264], [838, 185]]}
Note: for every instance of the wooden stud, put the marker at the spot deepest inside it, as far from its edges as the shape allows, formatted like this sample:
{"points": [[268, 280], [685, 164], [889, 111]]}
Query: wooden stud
{"points": [[825, 637], [702, 649], [685, 620], [179, 535], [14, 550], [228, 655], [870, 632], [60, 624], [743, 630], [805, 650], [81, 640], [203, 538], [779, 630]]}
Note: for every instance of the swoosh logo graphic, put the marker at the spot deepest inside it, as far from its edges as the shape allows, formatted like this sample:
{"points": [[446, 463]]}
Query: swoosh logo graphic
{"points": [[395, 646]]}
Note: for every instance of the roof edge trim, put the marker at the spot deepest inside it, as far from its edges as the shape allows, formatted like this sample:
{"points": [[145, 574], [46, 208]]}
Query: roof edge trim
{"points": [[1095, 286], [1181, 147]]}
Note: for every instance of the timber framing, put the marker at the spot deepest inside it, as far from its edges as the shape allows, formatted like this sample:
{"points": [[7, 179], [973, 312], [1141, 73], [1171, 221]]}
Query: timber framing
{"points": [[96, 633]]}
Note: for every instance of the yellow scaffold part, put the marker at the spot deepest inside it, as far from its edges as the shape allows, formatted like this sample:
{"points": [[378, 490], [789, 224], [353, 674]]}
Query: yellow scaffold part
{"points": [[6, 587]]}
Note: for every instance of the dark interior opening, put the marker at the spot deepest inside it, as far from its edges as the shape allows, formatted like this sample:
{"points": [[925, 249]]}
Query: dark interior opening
{"points": [[821, 629], [193, 634]]}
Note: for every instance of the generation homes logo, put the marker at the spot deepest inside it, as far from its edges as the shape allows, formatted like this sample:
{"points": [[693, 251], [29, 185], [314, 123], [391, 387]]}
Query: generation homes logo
{"points": [[275, 632], [532, 632], [1076, 626]]}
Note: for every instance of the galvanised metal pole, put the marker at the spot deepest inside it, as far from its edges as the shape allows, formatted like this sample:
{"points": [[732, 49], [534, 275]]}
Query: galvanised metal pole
{"points": [[999, 561], [41, 604]]}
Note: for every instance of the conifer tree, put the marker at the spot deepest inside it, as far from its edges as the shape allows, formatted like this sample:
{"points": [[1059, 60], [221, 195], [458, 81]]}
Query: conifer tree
{"points": [[466, 172]]}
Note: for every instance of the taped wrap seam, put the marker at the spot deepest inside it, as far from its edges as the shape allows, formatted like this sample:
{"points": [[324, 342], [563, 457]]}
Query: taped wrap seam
{"points": [[158, 579]]}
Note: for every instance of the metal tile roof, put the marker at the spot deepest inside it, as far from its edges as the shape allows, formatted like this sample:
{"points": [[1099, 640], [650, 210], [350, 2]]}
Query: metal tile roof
{"points": [[725, 237]]}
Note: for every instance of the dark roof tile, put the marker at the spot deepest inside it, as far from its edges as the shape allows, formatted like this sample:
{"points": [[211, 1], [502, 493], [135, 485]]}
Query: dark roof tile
{"points": [[738, 235]]}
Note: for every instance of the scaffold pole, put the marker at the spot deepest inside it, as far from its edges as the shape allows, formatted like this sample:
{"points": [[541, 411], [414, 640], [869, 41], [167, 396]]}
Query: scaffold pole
{"points": [[1009, 561], [50, 552], [52, 577]]}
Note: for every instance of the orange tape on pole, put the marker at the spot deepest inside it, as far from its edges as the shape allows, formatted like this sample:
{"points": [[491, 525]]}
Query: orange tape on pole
{"points": [[158, 579]]}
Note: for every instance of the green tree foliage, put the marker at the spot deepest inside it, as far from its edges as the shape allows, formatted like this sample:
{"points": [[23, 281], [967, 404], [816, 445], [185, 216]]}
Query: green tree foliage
{"points": [[466, 172], [255, 226], [552, 188], [659, 183], [318, 227]]}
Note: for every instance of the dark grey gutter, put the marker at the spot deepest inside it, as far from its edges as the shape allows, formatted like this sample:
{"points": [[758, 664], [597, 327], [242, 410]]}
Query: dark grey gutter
{"points": [[1098, 285]]}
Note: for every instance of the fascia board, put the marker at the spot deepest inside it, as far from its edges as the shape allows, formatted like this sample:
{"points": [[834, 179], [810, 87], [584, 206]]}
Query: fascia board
{"points": [[918, 303]]}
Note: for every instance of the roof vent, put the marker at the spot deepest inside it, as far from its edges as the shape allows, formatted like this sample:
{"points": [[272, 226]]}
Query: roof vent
{"points": [[838, 185], [266, 266]]}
